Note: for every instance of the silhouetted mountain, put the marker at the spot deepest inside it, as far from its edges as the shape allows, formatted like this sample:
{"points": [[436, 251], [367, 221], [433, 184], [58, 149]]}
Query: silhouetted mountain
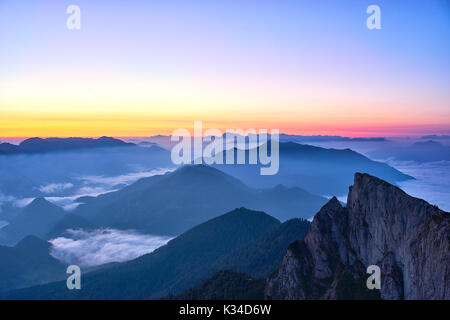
{"points": [[35, 219], [319, 138], [420, 152], [258, 258], [172, 203], [165, 141], [8, 148], [225, 285], [28, 263], [436, 137], [264, 255], [25, 175], [154, 275], [69, 221], [161, 140], [286, 203], [40, 145], [407, 238], [318, 170]]}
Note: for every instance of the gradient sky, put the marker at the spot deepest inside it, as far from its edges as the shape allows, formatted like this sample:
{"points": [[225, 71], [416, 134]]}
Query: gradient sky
{"points": [[138, 68]]}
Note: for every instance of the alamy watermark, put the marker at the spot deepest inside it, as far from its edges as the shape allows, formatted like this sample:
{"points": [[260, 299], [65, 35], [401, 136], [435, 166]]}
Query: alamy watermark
{"points": [[74, 280], [374, 20], [74, 20], [214, 147], [374, 280]]}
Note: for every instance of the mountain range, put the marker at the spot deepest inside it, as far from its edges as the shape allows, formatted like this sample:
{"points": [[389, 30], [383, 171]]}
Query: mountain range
{"points": [[436, 137], [165, 141], [38, 163], [40, 145], [172, 203], [422, 151], [167, 204], [320, 138], [315, 169], [68, 221], [27, 174], [35, 219], [28, 263], [230, 255], [170, 268]]}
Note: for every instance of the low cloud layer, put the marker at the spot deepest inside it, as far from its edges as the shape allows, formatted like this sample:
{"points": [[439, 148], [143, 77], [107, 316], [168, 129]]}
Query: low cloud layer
{"points": [[88, 249], [92, 186], [432, 181], [124, 179], [19, 203], [97, 185], [55, 187], [69, 202]]}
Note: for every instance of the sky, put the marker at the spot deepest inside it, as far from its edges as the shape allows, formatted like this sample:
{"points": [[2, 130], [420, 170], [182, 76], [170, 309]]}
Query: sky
{"points": [[140, 68]]}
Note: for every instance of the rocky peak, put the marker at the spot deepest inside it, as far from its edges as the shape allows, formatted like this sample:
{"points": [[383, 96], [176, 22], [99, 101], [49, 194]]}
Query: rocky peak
{"points": [[381, 225]]}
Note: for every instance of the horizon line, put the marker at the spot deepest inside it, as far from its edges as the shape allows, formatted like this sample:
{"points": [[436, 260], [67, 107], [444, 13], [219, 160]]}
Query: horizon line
{"points": [[281, 133]]}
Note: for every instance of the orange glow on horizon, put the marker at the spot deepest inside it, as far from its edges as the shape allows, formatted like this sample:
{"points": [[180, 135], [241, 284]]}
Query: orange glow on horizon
{"points": [[147, 127]]}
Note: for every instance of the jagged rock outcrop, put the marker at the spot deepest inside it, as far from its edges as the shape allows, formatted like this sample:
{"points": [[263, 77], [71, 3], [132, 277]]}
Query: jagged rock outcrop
{"points": [[381, 225]]}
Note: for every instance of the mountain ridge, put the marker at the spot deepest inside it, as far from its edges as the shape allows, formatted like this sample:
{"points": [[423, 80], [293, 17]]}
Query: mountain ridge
{"points": [[153, 275], [28, 263], [381, 225], [37, 218], [315, 169], [171, 203], [42, 145]]}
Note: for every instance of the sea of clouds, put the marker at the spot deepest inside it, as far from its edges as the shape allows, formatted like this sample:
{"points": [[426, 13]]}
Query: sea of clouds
{"points": [[93, 248], [432, 181], [92, 186]]}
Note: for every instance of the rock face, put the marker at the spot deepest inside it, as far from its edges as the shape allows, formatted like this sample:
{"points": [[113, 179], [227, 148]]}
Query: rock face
{"points": [[406, 237]]}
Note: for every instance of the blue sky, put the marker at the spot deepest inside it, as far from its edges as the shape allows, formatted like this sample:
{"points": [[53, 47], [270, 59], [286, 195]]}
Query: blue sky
{"points": [[212, 59]]}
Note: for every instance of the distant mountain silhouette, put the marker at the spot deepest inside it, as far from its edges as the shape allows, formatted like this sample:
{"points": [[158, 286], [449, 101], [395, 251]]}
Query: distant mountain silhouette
{"points": [[320, 138], [69, 221], [40, 145], [35, 219], [425, 151], [318, 170], [8, 148], [286, 203], [165, 141], [23, 174], [155, 274], [436, 137], [28, 263], [172, 203], [147, 144]]}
